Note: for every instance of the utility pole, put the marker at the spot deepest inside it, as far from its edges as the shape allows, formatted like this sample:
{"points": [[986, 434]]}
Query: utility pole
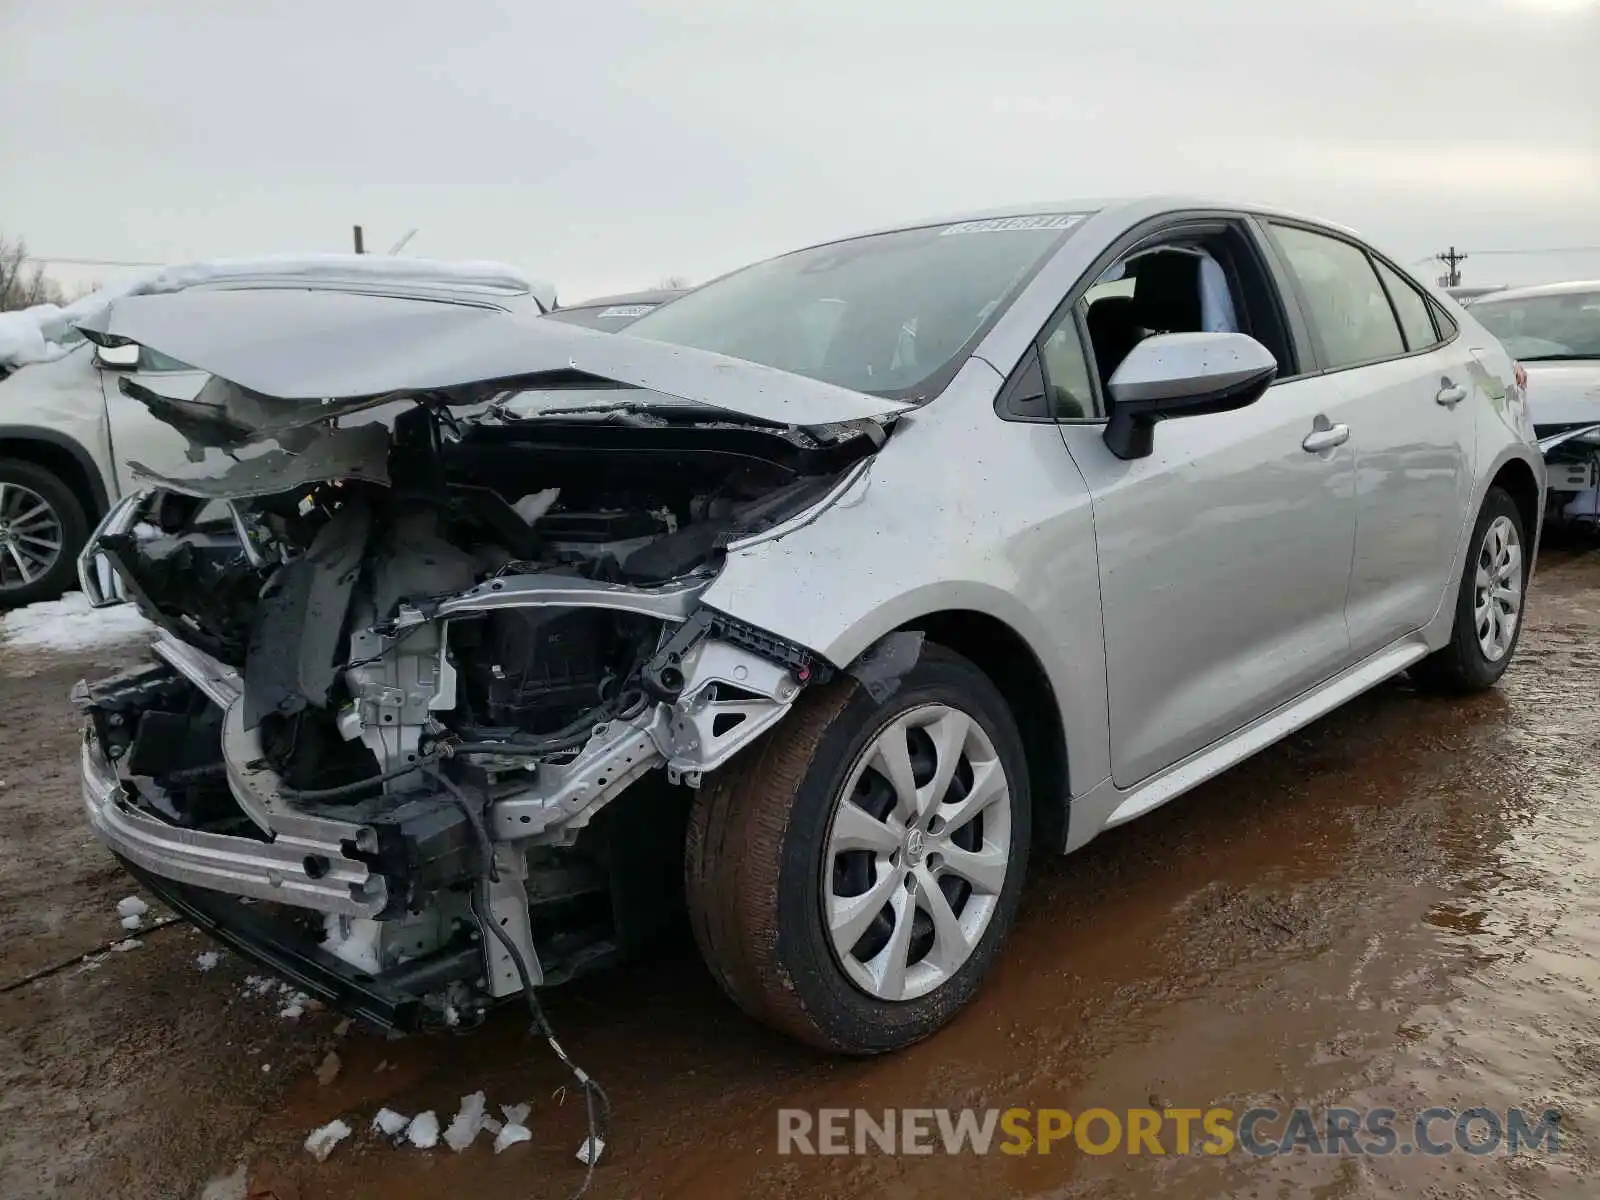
{"points": [[360, 246], [1452, 261]]}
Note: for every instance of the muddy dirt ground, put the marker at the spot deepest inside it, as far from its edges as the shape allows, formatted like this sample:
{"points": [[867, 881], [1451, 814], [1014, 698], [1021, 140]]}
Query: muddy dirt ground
{"points": [[1399, 906]]}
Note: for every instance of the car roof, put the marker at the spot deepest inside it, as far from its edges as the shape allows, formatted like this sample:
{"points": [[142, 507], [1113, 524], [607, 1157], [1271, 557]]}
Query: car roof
{"points": [[1130, 209], [1567, 288]]}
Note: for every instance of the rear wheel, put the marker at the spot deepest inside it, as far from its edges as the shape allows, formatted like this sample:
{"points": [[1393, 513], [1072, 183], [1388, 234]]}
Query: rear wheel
{"points": [[850, 878], [42, 528], [1488, 603]]}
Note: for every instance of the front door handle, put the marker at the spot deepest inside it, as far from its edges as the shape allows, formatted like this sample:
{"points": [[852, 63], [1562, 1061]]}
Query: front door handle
{"points": [[1450, 394], [1324, 436]]}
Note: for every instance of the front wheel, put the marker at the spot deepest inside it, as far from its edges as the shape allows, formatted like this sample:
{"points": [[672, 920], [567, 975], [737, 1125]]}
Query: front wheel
{"points": [[1488, 603], [851, 877]]}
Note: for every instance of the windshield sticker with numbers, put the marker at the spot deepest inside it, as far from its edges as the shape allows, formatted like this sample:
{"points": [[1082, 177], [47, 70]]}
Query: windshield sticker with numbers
{"points": [[1006, 224]]}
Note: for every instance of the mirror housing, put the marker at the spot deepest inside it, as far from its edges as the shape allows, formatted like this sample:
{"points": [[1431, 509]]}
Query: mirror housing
{"points": [[117, 358], [1182, 375]]}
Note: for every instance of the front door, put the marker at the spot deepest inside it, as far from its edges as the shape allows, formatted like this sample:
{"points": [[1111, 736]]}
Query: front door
{"points": [[1223, 558]]}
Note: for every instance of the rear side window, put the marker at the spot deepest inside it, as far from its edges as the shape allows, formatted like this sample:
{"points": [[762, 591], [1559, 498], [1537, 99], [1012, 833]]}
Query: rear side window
{"points": [[1443, 321], [1346, 305], [1411, 307]]}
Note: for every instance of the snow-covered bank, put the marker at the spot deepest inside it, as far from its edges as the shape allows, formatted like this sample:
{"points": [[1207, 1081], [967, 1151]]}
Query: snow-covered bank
{"points": [[70, 625]]}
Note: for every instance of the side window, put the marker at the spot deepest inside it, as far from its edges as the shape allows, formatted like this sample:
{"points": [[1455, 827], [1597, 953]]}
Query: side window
{"points": [[1443, 322], [1347, 307], [1066, 373], [1410, 306]]}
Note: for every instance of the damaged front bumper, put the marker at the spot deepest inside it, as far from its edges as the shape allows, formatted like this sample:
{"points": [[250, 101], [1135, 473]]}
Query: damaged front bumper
{"points": [[359, 880], [301, 860], [303, 868]]}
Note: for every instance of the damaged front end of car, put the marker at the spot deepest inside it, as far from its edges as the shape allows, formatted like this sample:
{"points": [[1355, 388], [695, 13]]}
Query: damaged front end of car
{"points": [[426, 695]]}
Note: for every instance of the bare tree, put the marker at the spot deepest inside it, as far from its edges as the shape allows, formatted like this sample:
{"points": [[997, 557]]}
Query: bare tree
{"points": [[23, 282], [673, 283]]}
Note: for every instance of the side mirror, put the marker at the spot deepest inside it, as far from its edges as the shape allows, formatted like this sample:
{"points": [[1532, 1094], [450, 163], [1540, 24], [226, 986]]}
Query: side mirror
{"points": [[117, 358], [1183, 375]]}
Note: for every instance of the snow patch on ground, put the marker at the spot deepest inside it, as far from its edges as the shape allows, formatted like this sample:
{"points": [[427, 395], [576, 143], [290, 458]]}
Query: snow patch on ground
{"points": [[208, 960], [390, 1123], [510, 1135], [467, 1124], [229, 1187], [295, 1003], [423, 1132], [322, 1141], [69, 624]]}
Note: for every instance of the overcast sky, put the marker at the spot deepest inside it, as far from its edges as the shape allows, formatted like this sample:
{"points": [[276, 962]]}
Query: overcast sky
{"points": [[605, 145]]}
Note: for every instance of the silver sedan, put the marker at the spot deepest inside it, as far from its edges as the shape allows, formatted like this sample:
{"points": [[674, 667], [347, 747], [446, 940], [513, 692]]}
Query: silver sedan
{"points": [[897, 560]]}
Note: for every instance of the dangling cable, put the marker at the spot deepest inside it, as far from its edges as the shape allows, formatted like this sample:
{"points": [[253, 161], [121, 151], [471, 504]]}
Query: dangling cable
{"points": [[597, 1103]]}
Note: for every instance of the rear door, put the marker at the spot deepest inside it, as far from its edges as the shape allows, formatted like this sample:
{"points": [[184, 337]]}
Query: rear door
{"points": [[1405, 388]]}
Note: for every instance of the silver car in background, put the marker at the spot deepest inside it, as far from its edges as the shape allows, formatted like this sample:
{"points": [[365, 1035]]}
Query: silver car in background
{"points": [[614, 313], [837, 590], [1553, 329]]}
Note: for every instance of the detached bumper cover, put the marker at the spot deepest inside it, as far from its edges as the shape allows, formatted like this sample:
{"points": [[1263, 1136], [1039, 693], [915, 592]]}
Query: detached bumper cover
{"points": [[305, 870]]}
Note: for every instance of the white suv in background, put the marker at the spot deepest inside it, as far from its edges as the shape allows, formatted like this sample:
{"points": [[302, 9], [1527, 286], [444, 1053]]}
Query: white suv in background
{"points": [[69, 430]]}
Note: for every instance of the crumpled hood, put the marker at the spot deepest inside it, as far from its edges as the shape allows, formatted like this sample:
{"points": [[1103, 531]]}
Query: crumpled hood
{"points": [[1563, 393], [291, 358]]}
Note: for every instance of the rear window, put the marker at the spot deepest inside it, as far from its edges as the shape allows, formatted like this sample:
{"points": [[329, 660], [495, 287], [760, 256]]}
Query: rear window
{"points": [[890, 314]]}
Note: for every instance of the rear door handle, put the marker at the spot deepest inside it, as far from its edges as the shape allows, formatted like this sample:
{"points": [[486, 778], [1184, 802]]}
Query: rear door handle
{"points": [[1450, 394], [1325, 437]]}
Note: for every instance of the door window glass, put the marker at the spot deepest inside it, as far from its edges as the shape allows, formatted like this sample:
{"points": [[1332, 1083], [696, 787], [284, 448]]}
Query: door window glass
{"points": [[1415, 322], [1346, 305]]}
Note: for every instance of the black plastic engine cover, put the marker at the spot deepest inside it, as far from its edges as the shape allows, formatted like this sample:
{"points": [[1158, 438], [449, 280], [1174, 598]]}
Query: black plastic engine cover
{"points": [[536, 667]]}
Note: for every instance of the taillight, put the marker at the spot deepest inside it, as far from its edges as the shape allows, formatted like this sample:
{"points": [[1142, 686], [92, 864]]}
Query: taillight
{"points": [[1522, 377]]}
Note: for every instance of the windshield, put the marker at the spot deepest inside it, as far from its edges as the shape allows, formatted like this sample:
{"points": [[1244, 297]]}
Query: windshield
{"points": [[891, 314], [1559, 326]]}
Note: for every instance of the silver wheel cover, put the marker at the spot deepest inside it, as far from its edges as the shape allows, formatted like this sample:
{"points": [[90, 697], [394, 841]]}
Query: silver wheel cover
{"points": [[917, 853], [1497, 589]]}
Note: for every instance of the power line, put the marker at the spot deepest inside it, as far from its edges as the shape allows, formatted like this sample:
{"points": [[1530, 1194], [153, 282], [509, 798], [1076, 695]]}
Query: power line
{"points": [[91, 262], [1547, 250]]}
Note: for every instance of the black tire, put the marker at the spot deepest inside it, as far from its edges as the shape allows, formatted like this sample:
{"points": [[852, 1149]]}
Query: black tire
{"points": [[62, 574], [757, 840], [1461, 665]]}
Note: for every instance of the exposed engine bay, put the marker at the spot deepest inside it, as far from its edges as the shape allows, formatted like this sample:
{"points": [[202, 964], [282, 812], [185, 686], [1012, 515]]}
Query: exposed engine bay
{"points": [[405, 677]]}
